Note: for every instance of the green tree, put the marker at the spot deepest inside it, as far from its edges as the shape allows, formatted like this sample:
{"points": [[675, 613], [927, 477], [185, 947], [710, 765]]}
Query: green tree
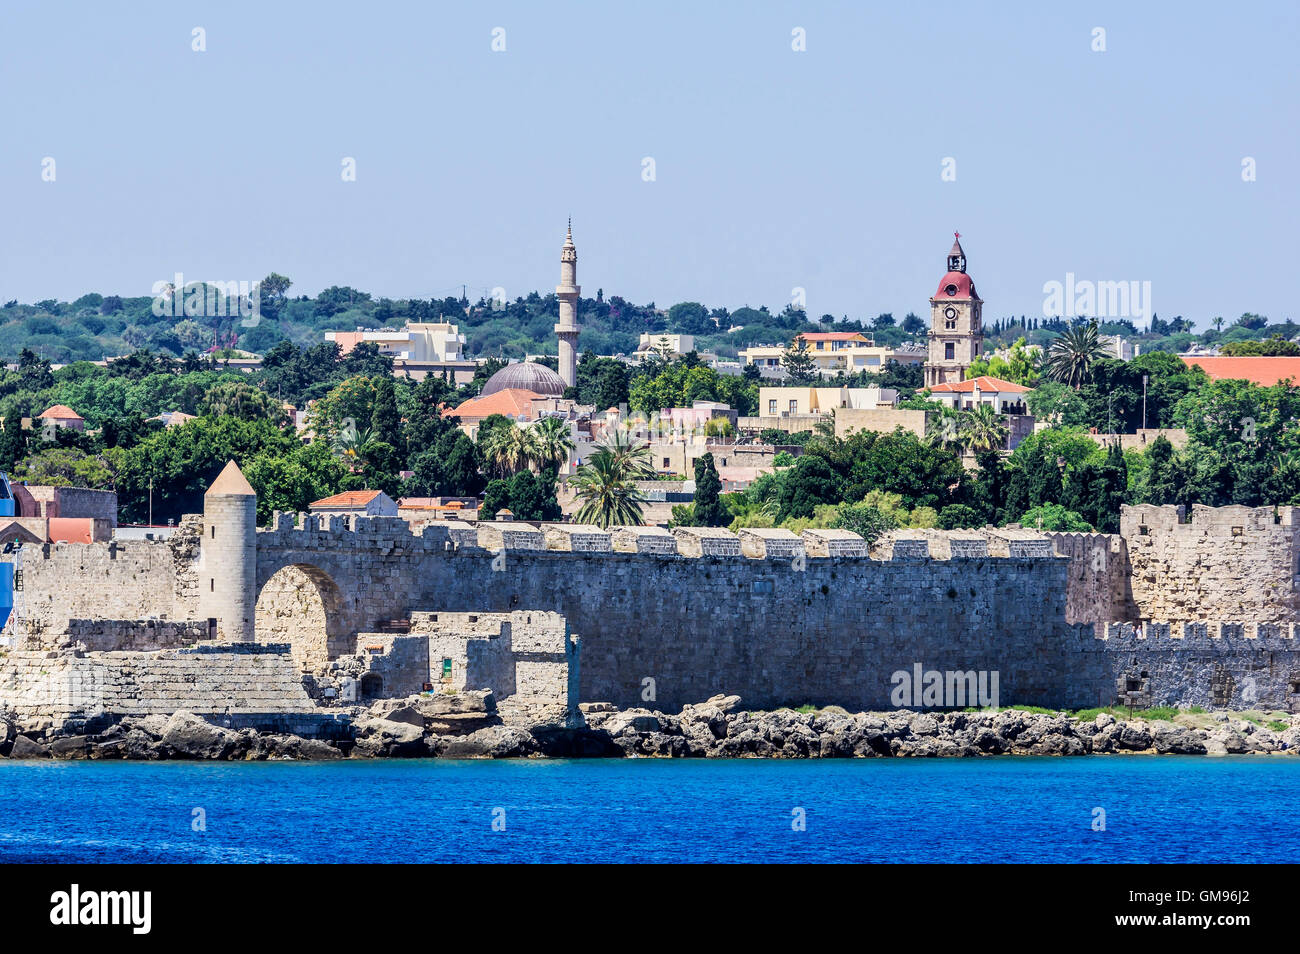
{"points": [[1055, 518], [799, 364], [495, 499], [709, 510], [13, 441], [866, 521]]}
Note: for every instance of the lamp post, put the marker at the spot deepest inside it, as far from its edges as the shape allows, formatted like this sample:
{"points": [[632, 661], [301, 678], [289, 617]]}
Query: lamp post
{"points": [[1144, 402]]}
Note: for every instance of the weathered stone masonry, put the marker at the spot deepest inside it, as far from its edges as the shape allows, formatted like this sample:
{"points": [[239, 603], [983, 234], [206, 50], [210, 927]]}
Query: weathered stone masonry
{"points": [[743, 616]]}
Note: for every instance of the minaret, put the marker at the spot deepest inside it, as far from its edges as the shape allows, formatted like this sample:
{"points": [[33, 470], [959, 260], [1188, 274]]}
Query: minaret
{"points": [[567, 329]]}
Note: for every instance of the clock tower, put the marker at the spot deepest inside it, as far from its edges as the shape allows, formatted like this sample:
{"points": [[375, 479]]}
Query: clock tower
{"points": [[956, 329]]}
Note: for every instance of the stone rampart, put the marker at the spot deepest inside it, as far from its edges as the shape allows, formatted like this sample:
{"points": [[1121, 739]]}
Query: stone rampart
{"points": [[1216, 563]]}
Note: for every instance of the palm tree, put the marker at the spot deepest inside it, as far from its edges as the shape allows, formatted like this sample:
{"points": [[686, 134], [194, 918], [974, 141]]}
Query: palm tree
{"points": [[510, 449], [945, 430], [631, 456], [1073, 352], [982, 429], [609, 495], [350, 442], [553, 443]]}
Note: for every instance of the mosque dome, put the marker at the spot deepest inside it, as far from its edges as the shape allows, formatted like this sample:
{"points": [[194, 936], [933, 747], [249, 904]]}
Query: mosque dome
{"points": [[527, 376]]}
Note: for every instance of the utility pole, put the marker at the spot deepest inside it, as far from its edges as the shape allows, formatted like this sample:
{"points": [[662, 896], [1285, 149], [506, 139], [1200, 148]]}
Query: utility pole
{"points": [[151, 501]]}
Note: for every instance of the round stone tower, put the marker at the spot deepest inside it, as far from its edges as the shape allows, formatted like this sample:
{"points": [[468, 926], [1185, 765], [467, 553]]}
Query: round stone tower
{"points": [[228, 569]]}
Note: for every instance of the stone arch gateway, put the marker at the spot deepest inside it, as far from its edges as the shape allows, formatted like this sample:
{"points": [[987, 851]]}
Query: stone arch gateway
{"points": [[300, 604]]}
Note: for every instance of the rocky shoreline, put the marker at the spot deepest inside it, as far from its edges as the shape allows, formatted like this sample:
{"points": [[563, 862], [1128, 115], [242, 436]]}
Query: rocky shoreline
{"points": [[471, 727]]}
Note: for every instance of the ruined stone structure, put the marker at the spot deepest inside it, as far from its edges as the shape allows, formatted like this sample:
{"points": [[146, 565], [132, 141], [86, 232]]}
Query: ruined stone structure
{"points": [[362, 607]]}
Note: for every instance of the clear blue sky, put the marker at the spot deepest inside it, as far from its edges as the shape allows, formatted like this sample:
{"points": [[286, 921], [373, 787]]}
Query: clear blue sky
{"points": [[775, 169]]}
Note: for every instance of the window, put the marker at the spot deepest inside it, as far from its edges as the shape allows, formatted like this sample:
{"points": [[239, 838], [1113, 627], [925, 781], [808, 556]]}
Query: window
{"points": [[794, 406], [446, 670], [949, 351], [771, 406], [666, 464]]}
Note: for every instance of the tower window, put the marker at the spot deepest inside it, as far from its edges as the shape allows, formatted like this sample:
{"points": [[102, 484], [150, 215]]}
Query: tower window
{"points": [[949, 351]]}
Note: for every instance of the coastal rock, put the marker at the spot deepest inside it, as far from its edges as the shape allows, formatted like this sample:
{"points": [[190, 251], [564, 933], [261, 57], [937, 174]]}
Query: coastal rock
{"points": [[1134, 736], [186, 735], [1170, 739], [494, 742], [631, 721], [384, 737], [70, 747], [26, 748]]}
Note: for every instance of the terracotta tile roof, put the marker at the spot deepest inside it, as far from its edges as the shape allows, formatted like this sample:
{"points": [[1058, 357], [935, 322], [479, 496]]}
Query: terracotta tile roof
{"points": [[512, 402], [986, 383], [63, 413], [1256, 370], [348, 500]]}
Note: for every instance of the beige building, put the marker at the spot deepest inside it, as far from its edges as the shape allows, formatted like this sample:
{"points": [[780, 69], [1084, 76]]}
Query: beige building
{"points": [[833, 352], [803, 401], [884, 420], [956, 330]]}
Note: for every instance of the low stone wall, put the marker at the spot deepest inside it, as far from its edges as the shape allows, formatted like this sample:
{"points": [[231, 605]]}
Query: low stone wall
{"points": [[1212, 665], [105, 635], [233, 687]]}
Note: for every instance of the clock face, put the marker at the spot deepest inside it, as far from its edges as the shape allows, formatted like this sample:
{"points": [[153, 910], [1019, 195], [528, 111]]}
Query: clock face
{"points": [[950, 312]]}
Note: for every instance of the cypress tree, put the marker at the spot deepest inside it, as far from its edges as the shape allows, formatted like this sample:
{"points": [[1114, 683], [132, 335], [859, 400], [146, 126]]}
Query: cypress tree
{"points": [[709, 509]]}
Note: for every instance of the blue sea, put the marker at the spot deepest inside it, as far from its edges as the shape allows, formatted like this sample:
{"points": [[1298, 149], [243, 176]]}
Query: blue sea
{"points": [[1156, 809]]}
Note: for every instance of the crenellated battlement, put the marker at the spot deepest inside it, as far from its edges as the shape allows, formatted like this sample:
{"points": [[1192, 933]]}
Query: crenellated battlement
{"points": [[1214, 636], [313, 531]]}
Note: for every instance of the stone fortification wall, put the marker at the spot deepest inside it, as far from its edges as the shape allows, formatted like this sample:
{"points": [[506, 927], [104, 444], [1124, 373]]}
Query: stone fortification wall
{"points": [[1212, 665], [1098, 588], [58, 582], [1235, 563], [676, 618]]}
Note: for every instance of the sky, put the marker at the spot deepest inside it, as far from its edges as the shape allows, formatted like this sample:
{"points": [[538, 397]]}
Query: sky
{"points": [[775, 169]]}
